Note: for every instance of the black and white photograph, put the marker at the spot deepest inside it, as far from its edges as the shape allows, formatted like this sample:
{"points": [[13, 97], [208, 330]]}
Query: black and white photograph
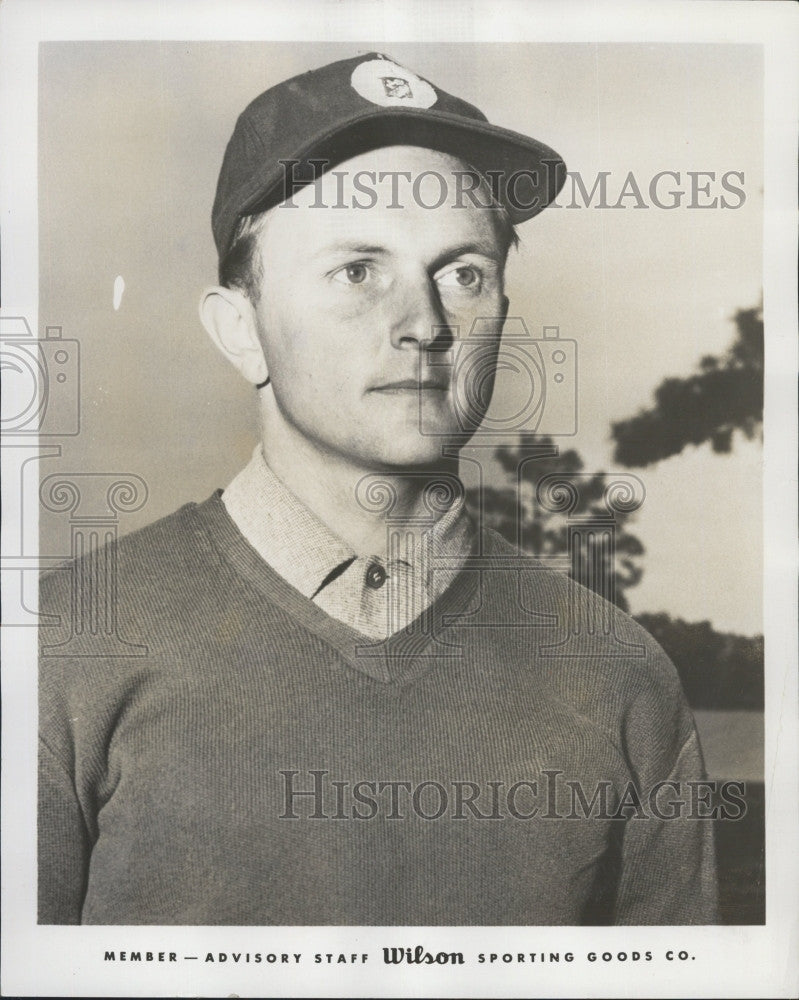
{"points": [[399, 538]]}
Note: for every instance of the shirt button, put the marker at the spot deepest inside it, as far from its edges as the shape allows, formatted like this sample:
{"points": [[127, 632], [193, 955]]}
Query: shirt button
{"points": [[375, 576]]}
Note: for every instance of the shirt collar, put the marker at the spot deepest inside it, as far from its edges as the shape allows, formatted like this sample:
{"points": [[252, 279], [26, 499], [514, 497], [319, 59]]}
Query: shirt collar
{"points": [[301, 547]]}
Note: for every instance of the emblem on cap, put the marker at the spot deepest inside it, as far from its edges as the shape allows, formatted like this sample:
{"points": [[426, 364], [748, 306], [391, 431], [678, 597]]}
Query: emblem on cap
{"points": [[391, 86]]}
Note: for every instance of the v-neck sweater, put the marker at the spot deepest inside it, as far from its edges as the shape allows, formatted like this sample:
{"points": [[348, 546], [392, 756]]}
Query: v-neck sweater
{"points": [[253, 761]]}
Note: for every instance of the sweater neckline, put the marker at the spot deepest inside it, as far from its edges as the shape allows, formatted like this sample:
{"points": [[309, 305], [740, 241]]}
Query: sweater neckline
{"points": [[402, 657]]}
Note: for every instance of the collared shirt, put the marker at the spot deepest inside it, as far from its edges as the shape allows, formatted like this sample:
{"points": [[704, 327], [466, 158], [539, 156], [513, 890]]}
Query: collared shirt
{"points": [[375, 595]]}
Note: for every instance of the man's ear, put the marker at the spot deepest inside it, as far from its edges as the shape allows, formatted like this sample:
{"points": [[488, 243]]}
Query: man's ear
{"points": [[229, 318]]}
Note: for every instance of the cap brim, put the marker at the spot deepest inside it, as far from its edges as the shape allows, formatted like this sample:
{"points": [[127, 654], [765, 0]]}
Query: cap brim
{"points": [[526, 174]]}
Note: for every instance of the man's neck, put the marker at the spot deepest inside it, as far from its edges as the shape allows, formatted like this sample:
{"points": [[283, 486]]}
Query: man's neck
{"points": [[351, 499]]}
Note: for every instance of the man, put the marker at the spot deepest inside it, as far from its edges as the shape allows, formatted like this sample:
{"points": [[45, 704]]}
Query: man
{"points": [[351, 709]]}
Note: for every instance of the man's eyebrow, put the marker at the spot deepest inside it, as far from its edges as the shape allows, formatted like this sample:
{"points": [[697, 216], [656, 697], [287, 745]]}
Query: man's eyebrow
{"points": [[489, 250]]}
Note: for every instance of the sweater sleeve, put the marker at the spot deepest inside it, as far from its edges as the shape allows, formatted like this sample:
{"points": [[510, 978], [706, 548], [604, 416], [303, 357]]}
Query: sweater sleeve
{"points": [[668, 873], [63, 844]]}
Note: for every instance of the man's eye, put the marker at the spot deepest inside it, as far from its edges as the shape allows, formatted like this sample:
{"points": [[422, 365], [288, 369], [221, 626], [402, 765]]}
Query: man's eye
{"points": [[462, 276], [352, 274]]}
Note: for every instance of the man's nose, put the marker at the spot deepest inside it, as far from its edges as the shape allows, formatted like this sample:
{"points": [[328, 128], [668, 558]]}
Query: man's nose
{"points": [[419, 317]]}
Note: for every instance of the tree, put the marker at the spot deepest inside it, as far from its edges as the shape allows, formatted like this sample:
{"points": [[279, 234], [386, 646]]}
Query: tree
{"points": [[717, 669], [724, 396], [513, 509]]}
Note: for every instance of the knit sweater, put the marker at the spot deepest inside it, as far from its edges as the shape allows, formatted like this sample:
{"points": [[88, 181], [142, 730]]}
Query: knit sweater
{"points": [[440, 765]]}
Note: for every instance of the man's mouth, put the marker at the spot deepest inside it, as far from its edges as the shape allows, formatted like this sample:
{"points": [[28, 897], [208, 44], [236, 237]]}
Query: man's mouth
{"points": [[410, 385]]}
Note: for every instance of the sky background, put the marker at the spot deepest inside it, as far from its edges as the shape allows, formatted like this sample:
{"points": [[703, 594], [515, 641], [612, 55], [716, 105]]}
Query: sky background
{"points": [[131, 139]]}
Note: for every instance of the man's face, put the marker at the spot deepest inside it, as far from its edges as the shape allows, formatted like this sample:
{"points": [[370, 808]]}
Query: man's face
{"points": [[352, 298]]}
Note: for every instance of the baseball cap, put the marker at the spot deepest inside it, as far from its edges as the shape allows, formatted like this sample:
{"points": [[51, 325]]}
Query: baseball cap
{"points": [[298, 129]]}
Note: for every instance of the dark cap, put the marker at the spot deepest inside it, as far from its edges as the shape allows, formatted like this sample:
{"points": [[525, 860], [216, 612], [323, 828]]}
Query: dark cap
{"points": [[349, 107]]}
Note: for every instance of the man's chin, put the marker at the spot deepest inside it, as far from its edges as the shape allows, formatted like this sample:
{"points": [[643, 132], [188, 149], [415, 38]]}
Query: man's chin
{"points": [[422, 453]]}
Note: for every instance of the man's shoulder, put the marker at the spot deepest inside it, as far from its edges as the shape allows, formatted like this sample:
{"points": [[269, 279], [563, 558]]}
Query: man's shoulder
{"points": [[110, 615], [544, 577], [573, 625], [160, 565]]}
